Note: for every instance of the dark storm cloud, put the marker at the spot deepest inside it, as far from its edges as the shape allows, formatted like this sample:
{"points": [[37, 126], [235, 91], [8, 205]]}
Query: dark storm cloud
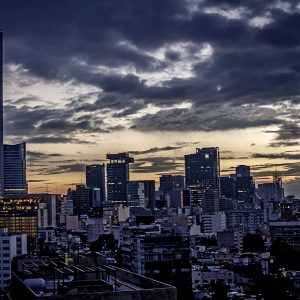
{"points": [[283, 144], [197, 119], [109, 44], [158, 149], [156, 165], [283, 155], [34, 156], [38, 124], [36, 180], [287, 169], [289, 131], [62, 169], [57, 140]]}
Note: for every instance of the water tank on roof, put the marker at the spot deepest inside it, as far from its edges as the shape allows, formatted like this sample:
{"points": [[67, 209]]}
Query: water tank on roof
{"points": [[35, 283]]}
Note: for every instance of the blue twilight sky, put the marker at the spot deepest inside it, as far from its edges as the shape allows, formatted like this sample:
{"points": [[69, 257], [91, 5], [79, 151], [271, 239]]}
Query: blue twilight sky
{"points": [[154, 77]]}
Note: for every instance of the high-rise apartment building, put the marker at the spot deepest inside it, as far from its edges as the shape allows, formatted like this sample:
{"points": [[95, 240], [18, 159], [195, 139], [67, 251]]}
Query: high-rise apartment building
{"points": [[95, 180], [202, 173], [12, 245], [14, 171], [117, 177]]}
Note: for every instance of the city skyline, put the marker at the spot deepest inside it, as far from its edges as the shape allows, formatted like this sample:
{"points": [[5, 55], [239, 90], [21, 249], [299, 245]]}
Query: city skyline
{"points": [[154, 79]]}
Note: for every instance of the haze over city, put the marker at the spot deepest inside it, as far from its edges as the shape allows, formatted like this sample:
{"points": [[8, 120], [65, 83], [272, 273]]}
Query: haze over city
{"points": [[155, 79]]}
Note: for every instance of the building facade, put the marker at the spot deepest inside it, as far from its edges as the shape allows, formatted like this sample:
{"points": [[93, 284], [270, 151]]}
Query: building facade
{"points": [[95, 179], [117, 177], [202, 173], [14, 170], [11, 246]]}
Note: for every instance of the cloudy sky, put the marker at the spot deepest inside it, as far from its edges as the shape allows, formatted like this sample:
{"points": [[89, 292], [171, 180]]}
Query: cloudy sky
{"points": [[157, 78]]}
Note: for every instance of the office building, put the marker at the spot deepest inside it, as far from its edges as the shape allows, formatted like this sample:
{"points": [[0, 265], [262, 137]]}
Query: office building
{"points": [[20, 215], [178, 198], [242, 171], [53, 203], [244, 185], [149, 193], [1, 116], [11, 245], [95, 179], [169, 182], [136, 194], [117, 177], [277, 181], [227, 185], [14, 158], [202, 173], [266, 191], [81, 198]]}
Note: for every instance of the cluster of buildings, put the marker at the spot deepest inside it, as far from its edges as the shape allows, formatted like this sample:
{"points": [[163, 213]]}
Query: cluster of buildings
{"points": [[197, 236]]}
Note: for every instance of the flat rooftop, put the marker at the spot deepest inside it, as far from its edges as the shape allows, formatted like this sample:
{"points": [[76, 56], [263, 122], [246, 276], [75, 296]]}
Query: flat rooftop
{"points": [[54, 279]]}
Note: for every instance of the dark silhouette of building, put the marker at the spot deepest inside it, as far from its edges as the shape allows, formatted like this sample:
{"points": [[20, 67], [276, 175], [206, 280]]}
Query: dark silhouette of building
{"points": [[149, 189], [81, 198], [117, 177], [162, 256], [202, 173], [242, 171], [266, 191], [279, 191], [169, 182], [227, 185], [95, 180], [1, 116], [14, 170], [135, 194], [244, 185]]}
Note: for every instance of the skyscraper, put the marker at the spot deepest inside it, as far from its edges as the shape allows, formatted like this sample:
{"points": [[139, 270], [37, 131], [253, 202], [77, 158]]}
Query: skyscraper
{"points": [[202, 173], [244, 185], [81, 197], [14, 170], [117, 177], [95, 180], [1, 115]]}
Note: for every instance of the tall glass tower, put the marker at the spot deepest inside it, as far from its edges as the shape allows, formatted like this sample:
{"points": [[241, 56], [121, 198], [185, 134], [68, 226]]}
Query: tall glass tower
{"points": [[117, 177], [202, 171], [14, 170]]}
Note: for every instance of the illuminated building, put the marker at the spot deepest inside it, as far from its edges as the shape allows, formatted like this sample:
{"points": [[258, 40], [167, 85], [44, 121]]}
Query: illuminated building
{"points": [[20, 215], [14, 170], [117, 177]]}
